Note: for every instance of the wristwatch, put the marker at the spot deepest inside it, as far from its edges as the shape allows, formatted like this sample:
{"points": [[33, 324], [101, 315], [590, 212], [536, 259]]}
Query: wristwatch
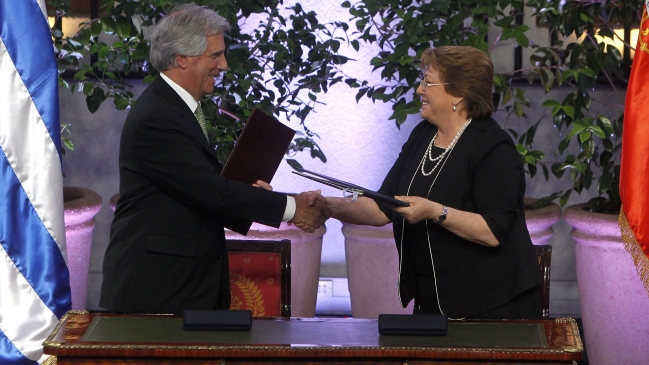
{"points": [[442, 217]]}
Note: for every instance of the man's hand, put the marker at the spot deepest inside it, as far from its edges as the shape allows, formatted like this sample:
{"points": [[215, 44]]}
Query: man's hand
{"points": [[311, 211], [263, 185]]}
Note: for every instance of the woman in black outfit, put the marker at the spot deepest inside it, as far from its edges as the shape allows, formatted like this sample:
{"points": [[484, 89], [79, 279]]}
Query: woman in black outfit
{"points": [[463, 244]]}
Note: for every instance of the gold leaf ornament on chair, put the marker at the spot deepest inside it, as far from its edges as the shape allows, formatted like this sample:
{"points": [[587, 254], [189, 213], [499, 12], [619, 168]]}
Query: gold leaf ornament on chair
{"points": [[235, 302], [251, 293]]}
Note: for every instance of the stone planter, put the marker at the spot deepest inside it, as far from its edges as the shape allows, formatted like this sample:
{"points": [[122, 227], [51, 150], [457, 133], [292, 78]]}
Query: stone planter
{"points": [[306, 250], [540, 221], [372, 271], [80, 207], [614, 304]]}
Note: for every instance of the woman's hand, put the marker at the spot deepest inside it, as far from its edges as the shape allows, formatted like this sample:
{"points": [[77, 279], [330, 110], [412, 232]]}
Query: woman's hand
{"points": [[470, 226], [419, 209]]}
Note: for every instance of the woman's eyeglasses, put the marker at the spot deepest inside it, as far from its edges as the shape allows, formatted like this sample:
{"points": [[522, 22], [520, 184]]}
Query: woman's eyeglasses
{"points": [[425, 84]]}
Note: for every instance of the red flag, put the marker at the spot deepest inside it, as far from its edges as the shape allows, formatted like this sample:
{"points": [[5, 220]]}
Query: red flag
{"points": [[634, 169]]}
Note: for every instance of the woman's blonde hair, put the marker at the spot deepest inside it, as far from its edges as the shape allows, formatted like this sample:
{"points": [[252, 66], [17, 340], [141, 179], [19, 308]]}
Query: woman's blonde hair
{"points": [[469, 73]]}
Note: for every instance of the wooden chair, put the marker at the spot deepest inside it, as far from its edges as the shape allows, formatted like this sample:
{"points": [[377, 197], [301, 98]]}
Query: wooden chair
{"points": [[260, 277], [544, 254]]}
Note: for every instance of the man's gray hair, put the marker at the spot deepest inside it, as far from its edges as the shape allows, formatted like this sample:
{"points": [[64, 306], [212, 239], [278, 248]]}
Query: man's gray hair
{"points": [[184, 32]]}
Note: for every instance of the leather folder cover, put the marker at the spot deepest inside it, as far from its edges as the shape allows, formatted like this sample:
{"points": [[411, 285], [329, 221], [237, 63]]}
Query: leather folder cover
{"points": [[343, 185], [217, 320], [259, 149], [414, 325]]}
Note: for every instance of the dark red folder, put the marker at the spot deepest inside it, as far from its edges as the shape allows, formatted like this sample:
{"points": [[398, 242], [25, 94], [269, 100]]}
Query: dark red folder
{"points": [[259, 149]]}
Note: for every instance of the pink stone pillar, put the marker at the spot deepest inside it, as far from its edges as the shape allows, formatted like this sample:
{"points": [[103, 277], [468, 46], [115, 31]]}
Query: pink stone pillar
{"points": [[614, 304], [372, 271], [539, 222], [306, 251], [80, 207]]}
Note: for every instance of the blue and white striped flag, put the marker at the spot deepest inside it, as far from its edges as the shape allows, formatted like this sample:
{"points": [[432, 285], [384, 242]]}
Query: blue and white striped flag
{"points": [[34, 278]]}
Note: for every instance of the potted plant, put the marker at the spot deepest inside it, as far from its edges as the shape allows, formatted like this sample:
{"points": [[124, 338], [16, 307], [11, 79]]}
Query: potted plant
{"points": [[80, 205], [608, 284], [281, 57]]}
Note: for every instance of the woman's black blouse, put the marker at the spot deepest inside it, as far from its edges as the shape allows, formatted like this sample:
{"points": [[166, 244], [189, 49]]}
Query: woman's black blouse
{"points": [[482, 174]]}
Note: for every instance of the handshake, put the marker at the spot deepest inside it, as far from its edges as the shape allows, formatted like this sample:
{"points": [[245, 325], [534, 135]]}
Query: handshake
{"points": [[311, 211]]}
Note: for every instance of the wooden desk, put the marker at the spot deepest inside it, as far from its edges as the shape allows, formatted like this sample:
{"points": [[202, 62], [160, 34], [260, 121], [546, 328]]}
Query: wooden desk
{"points": [[87, 338]]}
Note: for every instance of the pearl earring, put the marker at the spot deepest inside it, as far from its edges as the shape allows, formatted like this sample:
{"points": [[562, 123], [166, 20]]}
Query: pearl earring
{"points": [[454, 107]]}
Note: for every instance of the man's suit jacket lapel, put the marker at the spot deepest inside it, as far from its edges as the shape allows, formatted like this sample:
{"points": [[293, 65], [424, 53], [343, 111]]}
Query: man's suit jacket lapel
{"points": [[170, 95]]}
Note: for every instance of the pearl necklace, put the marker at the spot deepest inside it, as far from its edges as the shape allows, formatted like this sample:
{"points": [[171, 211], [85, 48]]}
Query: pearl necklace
{"points": [[439, 158]]}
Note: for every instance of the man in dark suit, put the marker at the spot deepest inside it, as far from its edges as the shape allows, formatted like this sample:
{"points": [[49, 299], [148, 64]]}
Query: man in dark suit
{"points": [[167, 247]]}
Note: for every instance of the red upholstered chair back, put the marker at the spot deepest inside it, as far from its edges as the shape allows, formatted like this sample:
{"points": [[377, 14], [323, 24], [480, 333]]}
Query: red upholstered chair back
{"points": [[260, 277], [544, 254]]}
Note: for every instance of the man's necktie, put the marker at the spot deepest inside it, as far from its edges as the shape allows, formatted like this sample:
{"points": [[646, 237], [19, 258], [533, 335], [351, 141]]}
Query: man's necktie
{"points": [[201, 121]]}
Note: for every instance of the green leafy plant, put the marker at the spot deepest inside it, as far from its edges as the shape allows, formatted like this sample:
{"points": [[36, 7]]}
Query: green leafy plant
{"points": [[280, 59], [403, 29], [586, 63]]}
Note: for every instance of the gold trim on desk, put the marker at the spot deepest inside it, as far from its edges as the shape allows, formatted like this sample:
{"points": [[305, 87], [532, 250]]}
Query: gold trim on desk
{"points": [[575, 334], [51, 360], [312, 348]]}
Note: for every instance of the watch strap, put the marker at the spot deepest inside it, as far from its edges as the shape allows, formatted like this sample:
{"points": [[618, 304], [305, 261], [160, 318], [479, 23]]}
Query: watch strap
{"points": [[442, 217]]}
